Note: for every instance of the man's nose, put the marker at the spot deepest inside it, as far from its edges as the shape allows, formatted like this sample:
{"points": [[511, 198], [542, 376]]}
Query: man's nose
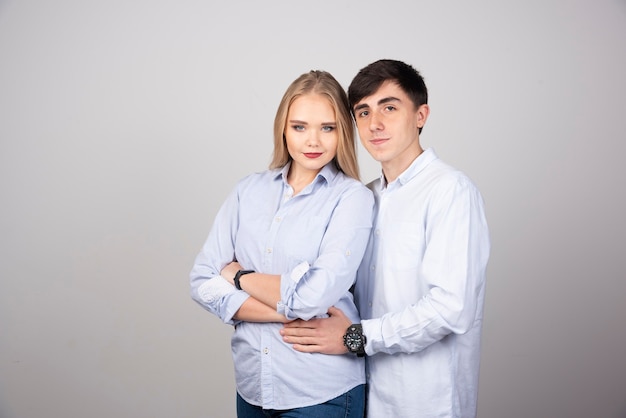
{"points": [[376, 122]]}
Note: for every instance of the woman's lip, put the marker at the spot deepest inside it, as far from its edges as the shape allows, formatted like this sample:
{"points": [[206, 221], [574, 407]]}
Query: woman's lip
{"points": [[312, 154]]}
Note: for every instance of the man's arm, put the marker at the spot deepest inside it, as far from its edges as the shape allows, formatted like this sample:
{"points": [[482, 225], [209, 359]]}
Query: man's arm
{"points": [[319, 335]]}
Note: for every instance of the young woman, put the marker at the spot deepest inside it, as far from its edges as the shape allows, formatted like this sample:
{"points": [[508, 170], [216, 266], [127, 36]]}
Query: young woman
{"points": [[286, 245]]}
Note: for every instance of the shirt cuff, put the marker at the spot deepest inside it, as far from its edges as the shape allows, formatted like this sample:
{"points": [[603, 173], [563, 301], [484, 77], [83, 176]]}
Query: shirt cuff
{"points": [[288, 285], [299, 272], [214, 289], [369, 328]]}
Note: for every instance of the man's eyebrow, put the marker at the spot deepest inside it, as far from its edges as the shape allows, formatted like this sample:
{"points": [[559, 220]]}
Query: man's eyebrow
{"points": [[388, 99], [380, 102]]}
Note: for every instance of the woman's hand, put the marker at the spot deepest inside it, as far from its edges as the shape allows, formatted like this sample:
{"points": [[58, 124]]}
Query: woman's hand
{"points": [[230, 270]]}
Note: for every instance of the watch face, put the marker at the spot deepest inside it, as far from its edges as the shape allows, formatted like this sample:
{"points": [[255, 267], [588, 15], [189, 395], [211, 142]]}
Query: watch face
{"points": [[353, 341]]}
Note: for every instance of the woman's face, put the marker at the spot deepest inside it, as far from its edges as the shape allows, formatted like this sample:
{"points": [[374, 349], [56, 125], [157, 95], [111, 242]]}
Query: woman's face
{"points": [[311, 133]]}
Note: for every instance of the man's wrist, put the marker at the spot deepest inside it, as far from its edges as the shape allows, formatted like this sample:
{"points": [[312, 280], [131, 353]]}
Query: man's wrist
{"points": [[355, 340]]}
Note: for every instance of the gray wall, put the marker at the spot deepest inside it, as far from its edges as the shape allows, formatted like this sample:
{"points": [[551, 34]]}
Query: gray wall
{"points": [[124, 124]]}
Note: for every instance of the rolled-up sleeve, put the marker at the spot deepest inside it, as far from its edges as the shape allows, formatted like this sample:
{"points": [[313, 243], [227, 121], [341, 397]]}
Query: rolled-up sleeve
{"points": [[208, 288], [309, 289]]}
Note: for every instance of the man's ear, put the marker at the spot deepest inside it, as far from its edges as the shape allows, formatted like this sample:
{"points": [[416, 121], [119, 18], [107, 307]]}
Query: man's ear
{"points": [[422, 114]]}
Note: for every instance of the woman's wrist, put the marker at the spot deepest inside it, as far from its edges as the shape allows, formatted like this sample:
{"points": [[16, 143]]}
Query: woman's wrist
{"points": [[230, 271]]}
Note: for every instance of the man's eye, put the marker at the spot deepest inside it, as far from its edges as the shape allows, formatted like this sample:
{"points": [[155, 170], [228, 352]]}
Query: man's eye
{"points": [[363, 114], [390, 108]]}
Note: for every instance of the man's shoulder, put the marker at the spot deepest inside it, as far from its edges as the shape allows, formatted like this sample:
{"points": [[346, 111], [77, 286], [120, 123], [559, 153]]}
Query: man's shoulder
{"points": [[444, 174]]}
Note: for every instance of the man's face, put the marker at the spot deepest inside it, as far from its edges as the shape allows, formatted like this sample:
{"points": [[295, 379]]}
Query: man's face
{"points": [[388, 125]]}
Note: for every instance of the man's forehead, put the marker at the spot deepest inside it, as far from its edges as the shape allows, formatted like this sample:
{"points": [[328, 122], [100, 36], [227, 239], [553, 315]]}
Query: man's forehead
{"points": [[389, 91], [388, 88]]}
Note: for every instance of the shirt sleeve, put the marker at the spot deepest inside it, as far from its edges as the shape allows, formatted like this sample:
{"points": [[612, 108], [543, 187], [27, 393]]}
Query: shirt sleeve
{"points": [[208, 288], [453, 271], [310, 289]]}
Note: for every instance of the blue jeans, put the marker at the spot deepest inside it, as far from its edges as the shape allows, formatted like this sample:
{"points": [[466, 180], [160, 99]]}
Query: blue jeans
{"points": [[349, 405]]}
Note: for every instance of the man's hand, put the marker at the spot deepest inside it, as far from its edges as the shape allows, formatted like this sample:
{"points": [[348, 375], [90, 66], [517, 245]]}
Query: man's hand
{"points": [[319, 335]]}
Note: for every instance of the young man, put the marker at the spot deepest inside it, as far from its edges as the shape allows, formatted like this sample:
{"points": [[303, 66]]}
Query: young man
{"points": [[420, 288]]}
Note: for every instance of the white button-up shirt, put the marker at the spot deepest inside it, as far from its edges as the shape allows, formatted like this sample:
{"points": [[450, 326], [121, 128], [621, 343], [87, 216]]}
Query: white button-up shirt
{"points": [[420, 292]]}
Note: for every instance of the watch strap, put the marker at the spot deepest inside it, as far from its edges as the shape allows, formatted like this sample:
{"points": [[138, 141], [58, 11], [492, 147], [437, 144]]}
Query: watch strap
{"points": [[238, 277]]}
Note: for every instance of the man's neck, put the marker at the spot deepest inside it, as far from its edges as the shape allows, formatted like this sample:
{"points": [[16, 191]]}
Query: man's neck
{"points": [[392, 169]]}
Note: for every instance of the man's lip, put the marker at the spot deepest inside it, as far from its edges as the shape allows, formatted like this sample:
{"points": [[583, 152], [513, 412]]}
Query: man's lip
{"points": [[312, 154], [378, 141]]}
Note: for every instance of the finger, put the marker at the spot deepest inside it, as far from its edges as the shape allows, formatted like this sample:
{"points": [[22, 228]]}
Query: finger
{"points": [[303, 348], [291, 339], [298, 323], [333, 311], [298, 333]]}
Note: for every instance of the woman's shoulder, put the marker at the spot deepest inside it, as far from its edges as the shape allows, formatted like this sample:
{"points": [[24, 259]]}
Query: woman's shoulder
{"points": [[349, 184], [257, 181], [347, 181], [259, 176]]}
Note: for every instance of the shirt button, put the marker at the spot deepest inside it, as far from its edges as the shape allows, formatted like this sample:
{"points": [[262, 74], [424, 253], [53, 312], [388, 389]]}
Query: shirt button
{"points": [[266, 350], [277, 219], [373, 268], [378, 232], [269, 250]]}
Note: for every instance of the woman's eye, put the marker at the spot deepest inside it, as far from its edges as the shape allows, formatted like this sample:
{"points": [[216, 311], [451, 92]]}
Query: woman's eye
{"points": [[328, 128], [298, 128]]}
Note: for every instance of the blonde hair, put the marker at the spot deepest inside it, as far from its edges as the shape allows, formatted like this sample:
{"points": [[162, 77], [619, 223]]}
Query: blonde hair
{"points": [[323, 83]]}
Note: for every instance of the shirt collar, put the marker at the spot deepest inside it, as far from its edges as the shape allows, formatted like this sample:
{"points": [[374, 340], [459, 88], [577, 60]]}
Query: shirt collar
{"points": [[328, 173], [412, 170]]}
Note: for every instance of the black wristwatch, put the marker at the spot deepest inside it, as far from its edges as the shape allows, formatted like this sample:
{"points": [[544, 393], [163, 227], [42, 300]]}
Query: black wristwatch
{"points": [[238, 276], [355, 340]]}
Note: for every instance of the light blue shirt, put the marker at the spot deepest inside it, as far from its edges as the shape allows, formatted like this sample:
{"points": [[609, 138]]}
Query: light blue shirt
{"points": [[315, 241]]}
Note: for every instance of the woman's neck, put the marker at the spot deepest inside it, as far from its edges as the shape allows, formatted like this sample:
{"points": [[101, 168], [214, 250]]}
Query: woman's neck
{"points": [[299, 179]]}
